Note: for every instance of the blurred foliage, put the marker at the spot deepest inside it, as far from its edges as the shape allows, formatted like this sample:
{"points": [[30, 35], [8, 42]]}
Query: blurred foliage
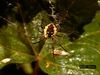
{"points": [[22, 41]]}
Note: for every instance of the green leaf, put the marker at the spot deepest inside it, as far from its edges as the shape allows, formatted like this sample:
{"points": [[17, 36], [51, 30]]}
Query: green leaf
{"points": [[84, 51], [11, 46]]}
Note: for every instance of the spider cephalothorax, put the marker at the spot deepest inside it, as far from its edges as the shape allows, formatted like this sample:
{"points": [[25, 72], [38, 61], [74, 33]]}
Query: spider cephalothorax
{"points": [[50, 30]]}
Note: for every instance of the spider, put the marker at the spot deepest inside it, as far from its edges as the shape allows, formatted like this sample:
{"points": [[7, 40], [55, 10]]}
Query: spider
{"points": [[50, 30]]}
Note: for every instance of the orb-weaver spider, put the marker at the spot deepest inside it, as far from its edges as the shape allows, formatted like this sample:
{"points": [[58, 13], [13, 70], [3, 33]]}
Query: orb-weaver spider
{"points": [[51, 31]]}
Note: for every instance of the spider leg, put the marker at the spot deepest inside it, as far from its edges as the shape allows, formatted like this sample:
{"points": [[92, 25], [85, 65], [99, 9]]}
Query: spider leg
{"points": [[56, 41]]}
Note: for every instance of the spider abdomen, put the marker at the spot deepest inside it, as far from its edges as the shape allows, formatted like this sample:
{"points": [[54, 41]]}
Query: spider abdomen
{"points": [[50, 30]]}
